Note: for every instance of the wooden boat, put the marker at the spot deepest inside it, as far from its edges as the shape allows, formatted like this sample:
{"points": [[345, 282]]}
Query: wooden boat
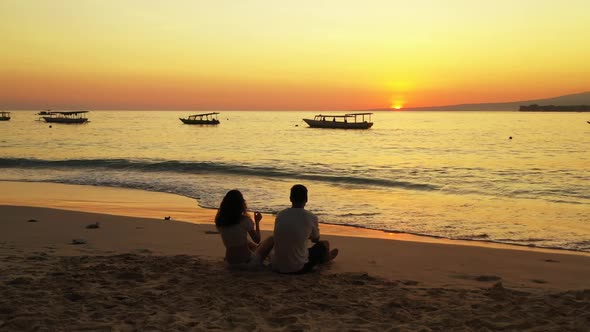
{"points": [[346, 121], [66, 117], [202, 119], [4, 116]]}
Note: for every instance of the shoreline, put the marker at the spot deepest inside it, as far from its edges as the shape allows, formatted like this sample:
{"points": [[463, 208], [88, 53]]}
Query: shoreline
{"points": [[188, 210], [134, 223], [34, 231]]}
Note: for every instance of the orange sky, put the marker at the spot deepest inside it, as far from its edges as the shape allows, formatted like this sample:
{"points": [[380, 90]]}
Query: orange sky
{"points": [[324, 55]]}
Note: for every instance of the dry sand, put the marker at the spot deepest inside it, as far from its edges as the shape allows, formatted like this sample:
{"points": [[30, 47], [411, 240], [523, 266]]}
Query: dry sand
{"points": [[179, 293], [138, 274]]}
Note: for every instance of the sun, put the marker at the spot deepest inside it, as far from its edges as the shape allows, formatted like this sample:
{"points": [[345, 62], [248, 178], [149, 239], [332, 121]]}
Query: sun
{"points": [[397, 103]]}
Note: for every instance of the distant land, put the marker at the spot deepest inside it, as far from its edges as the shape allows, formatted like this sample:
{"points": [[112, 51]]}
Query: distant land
{"points": [[567, 100], [554, 108]]}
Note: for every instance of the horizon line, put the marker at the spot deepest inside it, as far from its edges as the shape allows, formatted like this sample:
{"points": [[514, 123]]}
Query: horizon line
{"points": [[383, 109]]}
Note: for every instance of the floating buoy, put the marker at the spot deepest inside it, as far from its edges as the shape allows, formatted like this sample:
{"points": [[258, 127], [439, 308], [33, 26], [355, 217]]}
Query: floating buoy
{"points": [[510, 137]]}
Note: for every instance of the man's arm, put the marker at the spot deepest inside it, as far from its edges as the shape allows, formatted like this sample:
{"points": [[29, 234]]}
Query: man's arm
{"points": [[315, 231]]}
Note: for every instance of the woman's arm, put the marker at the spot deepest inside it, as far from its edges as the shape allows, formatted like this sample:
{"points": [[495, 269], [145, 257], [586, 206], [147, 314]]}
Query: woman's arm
{"points": [[255, 232]]}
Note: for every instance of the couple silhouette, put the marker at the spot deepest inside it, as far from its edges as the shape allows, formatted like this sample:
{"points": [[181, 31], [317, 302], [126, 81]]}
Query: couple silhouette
{"points": [[293, 228]]}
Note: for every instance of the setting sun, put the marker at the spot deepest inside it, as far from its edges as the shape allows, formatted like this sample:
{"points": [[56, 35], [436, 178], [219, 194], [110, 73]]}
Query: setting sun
{"points": [[397, 103]]}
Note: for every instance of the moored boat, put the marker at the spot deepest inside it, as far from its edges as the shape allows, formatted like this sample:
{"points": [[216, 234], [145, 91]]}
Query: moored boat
{"points": [[202, 119], [70, 117], [4, 116], [346, 121]]}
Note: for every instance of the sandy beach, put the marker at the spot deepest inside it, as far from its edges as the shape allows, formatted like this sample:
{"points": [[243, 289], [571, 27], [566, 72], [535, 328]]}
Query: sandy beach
{"points": [[139, 272]]}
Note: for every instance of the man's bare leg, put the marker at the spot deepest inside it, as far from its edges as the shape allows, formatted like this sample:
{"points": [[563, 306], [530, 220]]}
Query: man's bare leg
{"points": [[333, 254], [328, 254], [252, 246]]}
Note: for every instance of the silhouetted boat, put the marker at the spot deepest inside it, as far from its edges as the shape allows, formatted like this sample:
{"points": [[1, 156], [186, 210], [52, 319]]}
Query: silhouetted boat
{"points": [[202, 119], [4, 116], [346, 121], [66, 117], [44, 112]]}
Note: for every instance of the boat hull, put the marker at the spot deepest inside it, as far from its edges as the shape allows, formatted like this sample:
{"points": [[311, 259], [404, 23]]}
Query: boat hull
{"points": [[4, 118], [338, 125], [64, 120], [200, 122]]}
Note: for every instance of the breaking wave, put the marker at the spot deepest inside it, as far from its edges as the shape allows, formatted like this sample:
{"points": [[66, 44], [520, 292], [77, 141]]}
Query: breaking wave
{"points": [[196, 167]]}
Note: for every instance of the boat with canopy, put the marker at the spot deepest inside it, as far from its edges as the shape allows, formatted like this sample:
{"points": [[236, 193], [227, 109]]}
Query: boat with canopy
{"points": [[66, 117], [202, 119], [346, 121]]}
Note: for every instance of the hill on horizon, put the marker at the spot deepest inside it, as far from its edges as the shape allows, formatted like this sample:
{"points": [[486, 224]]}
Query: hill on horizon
{"points": [[572, 99]]}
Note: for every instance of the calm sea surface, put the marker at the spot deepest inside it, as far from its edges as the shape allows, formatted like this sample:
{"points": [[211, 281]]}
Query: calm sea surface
{"points": [[449, 174]]}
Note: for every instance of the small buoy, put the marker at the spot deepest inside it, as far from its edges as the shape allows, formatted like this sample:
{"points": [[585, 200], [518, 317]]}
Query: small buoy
{"points": [[50, 126], [296, 125], [510, 137]]}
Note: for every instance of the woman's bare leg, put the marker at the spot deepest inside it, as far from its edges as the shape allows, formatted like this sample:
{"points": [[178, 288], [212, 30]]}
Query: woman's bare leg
{"points": [[265, 247]]}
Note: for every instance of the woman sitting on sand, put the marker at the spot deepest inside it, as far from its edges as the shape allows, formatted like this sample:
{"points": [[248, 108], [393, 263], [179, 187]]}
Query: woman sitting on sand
{"points": [[234, 225]]}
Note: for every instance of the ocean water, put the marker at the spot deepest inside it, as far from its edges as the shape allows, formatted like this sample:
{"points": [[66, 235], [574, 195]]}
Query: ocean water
{"points": [[445, 174]]}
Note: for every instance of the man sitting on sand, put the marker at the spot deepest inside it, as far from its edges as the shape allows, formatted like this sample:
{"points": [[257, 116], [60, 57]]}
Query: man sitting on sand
{"points": [[293, 227]]}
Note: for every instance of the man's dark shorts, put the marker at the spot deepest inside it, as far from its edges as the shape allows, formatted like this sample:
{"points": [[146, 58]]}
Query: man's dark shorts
{"points": [[316, 255]]}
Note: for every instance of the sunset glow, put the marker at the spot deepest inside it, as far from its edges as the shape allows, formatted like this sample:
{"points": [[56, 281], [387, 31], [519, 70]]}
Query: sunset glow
{"points": [[331, 55]]}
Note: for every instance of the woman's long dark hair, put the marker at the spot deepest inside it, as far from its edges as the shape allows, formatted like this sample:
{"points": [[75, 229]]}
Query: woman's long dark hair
{"points": [[232, 208]]}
